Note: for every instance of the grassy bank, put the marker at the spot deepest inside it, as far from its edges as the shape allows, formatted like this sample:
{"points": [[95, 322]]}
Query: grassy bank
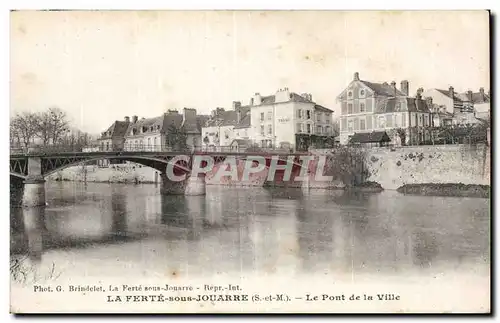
{"points": [[446, 189]]}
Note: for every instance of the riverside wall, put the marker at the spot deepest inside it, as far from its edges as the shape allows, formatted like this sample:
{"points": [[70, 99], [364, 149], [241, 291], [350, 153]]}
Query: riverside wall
{"points": [[393, 168]]}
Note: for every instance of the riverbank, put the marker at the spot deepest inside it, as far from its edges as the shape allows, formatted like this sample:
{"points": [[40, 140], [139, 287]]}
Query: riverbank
{"points": [[448, 189]]}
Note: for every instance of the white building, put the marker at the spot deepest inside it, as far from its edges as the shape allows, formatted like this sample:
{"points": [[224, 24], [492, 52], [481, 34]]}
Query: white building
{"points": [[277, 119], [224, 126]]}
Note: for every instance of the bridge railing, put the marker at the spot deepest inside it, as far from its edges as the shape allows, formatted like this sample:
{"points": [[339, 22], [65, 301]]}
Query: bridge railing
{"points": [[54, 149]]}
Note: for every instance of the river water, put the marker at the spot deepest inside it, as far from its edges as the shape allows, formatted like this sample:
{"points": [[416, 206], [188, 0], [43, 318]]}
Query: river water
{"points": [[120, 230]]}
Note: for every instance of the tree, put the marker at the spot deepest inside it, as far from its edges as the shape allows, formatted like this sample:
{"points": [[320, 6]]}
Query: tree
{"points": [[24, 126], [176, 138], [58, 124]]}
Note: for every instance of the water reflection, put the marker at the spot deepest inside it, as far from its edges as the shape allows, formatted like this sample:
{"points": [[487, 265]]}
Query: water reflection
{"points": [[258, 231]]}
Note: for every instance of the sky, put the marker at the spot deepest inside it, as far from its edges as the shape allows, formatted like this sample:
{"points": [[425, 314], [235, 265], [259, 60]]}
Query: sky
{"points": [[100, 66]]}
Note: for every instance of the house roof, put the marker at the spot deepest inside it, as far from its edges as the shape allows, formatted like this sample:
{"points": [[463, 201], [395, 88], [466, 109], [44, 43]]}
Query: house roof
{"points": [[397, 104], [367, 137], [117, 129], [477, 97], [383, 89], [230, 118], [294, 97], [322, 108], [163, 122], [455, 96]]}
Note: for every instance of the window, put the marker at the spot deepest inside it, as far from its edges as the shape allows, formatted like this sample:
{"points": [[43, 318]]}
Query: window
{"points": [[327, 129], [318, 117], [269, 115], [349, 94], [361, 92], [349, 108], [381, 122], [262, 116], [149, 143], [369, 122], [389, 120], [301, 127], [361, 107], [300, 113], [308, 113], [328, 118], [343, 124], [318, 129], [362, 124], [350, 125], [261, 130], [308, 128], [269, 130]]}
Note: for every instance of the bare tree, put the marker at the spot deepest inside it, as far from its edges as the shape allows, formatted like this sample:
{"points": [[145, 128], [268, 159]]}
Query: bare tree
{"points": [[24, 126], [58, 123], [44, 127]]}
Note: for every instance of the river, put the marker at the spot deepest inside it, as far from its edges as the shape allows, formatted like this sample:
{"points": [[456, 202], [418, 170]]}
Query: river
{"points": [[120, 230]]}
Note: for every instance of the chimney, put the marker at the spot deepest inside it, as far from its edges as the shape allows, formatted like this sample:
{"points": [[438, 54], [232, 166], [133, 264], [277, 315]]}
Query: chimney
{"points": [[257, 99], [481, 90], [469, 95], [238, 116], [451, 92], [236, 105], [134, 119], [405, 87], [310, 97], [393, 84], [356, 76], [251, 101], [127, 119], [189, 115]]}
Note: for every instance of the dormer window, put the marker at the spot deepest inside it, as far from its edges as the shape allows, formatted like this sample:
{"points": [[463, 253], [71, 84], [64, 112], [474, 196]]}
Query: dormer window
{"points": [[349, 94]]}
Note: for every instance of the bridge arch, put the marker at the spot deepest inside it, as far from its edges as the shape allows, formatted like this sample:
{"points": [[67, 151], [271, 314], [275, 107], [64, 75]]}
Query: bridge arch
{"points": [[156, 163]]}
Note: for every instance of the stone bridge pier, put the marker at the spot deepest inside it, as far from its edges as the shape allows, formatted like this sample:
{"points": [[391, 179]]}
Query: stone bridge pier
{"points": [[190, 184], [34, 184]]}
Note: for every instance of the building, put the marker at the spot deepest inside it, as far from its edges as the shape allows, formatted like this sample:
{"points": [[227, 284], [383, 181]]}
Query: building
{"points": [[479, 101], [113, 139], [224, 126], [277, 119], [368, 107], [461, 106], [150, 134]]}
